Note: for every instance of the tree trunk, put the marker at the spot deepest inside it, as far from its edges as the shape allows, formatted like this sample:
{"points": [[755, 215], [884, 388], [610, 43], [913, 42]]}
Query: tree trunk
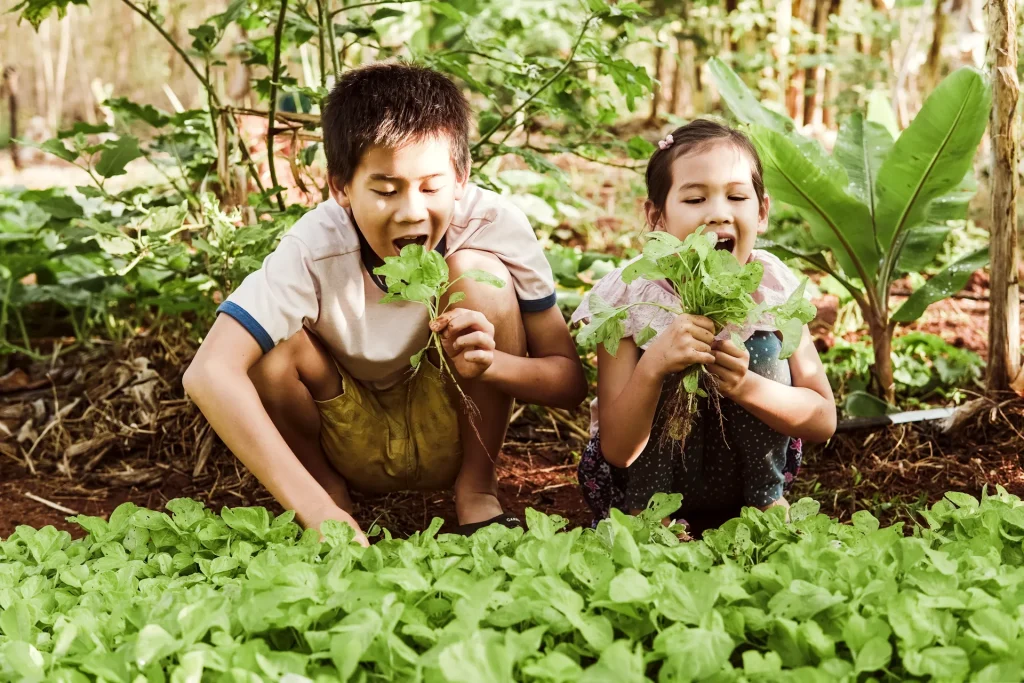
{"points": [[783, 31], [815, 76], [933, 61], [1004, 314], [656, 96], [677, 79], [10, 88]]}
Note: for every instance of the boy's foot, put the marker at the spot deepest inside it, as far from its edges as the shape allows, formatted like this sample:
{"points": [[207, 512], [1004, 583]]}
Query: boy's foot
{"points": [[476, 507], [511, 521]]}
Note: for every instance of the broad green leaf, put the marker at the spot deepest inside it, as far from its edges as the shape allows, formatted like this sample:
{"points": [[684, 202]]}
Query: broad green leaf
{"points": [[743, 103], [946, 283], [837, 219], [485, 277], [694, 653], [932, 156], [863, 404], [58, 149], [639, 148], [25, 659], [645, 335], [881, 112], [152, 644], [116, 155], [457, 297], [942, 663], [874, 655], [630, 586], [861, 147]]}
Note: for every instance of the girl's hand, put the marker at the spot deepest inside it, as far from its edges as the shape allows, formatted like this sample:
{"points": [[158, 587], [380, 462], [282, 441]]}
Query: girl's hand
{"points": [[731, 367], [686, 342], [468, 340]]}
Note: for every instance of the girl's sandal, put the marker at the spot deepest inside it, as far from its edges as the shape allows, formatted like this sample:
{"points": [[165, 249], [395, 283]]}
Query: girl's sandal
{"points": [[504, 519]]}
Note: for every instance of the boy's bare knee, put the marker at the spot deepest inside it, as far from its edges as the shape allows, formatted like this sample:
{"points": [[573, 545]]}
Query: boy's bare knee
{"points": [[300, 365], [501, 306]]}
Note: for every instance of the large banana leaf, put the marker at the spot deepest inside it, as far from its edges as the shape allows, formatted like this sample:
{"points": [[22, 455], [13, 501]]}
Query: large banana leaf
{"points": [[946, 283], [837, 219], [924, 242], [746, 107], [861, 147], [932, 156]]}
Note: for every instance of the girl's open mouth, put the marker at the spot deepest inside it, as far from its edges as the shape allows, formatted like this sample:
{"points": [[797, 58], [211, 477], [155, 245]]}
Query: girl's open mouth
{"points": [[403, 242], [725, 244]]}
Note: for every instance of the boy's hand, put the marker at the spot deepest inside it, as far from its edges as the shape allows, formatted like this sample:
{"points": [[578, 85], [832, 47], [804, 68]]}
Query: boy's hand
{"points": [[686, 342], [336, 513], [731, 367], [468, 339]]}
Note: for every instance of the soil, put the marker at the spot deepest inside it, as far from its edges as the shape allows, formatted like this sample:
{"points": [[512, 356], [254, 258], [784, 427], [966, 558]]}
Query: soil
{"points": [[93, 427]]}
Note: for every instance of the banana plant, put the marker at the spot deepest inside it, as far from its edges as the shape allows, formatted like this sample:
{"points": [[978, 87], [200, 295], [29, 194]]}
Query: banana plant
{"points": [[879, 206]]}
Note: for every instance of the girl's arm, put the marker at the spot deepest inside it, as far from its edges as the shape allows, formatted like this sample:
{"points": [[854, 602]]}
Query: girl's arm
{"points": [[806, 410], [629, 385]]}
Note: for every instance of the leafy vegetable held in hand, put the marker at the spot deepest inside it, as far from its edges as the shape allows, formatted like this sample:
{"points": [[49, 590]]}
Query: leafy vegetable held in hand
{"points": [[421, 275], [710, 283]]}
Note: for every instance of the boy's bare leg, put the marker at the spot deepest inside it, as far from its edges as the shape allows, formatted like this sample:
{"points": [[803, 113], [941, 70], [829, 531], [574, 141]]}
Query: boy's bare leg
{"points": [[476, 488], [289, 379]]}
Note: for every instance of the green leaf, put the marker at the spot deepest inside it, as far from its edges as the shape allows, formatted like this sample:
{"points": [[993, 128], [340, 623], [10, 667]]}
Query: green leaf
{"points": [[448, 10], [117, 154], [153, 644], [863, 404], [744, 104], [484, 277], [36, 11], [140, 112], [837, 219], [946, 283], [59, 149], [639, 148], [386, 13], [881, 112], [943, 663], [630, 586], [874, 655], [694, 653], [932, 156], [645, 335], [861, 147]]}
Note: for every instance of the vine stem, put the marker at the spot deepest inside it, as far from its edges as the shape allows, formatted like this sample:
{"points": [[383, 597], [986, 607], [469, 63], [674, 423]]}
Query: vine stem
{"points": [[565, 67], [275, 75]]}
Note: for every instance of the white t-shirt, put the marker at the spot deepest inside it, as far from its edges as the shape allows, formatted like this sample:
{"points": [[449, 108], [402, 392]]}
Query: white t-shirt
{"points": [[319, 277]]}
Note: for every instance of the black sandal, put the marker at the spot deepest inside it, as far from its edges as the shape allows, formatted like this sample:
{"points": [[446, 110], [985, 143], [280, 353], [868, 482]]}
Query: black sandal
{"points": [[505, 519]]}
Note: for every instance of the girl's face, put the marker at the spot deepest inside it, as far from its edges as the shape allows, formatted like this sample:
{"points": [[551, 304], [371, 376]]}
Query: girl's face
{"points": [[714, 187]]}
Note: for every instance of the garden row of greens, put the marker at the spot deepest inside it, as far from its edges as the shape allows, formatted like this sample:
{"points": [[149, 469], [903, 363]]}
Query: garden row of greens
{"points": [[245, 596]]}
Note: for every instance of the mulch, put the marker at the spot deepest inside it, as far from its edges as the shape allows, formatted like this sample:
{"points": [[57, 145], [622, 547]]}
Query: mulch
{"points": [[97, 426]]}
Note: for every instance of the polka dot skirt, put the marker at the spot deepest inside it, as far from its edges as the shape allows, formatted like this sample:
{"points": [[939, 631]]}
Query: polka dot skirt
{"points": [[724, 464]]}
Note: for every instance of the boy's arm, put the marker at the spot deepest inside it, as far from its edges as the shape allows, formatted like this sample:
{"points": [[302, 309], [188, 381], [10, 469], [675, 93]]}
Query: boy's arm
{"points": [[552, 374], [218, 382]]}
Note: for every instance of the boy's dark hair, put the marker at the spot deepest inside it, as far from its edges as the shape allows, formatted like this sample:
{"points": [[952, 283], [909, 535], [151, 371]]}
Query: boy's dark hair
{"points": [[697, 136], [392, 104]]}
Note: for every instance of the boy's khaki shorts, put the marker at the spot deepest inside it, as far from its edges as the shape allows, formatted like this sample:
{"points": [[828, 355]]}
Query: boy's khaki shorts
{"points": [[398, 439]]}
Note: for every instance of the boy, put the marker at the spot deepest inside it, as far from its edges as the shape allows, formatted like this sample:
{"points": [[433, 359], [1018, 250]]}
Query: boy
{"points": [[306, 375]]}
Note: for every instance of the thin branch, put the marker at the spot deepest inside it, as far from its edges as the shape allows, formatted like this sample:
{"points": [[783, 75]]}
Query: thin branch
{"points": [[604, 162], [287, 117], [568, 62], [330, 41], [278, 32], [372, 4], [320, 23]]}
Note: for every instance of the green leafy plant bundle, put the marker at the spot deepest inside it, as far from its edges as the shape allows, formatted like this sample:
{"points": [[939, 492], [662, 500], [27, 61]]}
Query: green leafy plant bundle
{"points": [[190, 595], [420, 275], [711, 283]]}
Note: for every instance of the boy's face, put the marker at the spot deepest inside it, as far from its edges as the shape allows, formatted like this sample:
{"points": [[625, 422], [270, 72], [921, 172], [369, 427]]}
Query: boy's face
{"points": [[403, 196]]}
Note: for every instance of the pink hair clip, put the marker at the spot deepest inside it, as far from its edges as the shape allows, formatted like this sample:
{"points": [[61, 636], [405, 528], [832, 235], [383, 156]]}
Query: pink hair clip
{"points": [[666, 143]]}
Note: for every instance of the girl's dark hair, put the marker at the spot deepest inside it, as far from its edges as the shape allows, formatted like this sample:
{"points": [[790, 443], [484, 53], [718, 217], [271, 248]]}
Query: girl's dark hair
{"points": [[697, 136], [392, 104]]}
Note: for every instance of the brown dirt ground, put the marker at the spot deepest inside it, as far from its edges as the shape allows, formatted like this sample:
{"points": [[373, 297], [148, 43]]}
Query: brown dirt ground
{"points": [[106, 424]]}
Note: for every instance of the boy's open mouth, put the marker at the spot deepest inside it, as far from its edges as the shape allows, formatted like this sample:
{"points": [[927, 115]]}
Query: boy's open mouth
{"points": [[403, 242], [726, 243]]}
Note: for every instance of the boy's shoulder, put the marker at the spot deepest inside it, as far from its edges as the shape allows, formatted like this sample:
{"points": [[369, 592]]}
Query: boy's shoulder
{"points": [[489, 221], [326, 231]]}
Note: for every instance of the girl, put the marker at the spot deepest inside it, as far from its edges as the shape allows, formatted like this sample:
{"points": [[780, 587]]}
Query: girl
{"points": [[703, 174]]}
